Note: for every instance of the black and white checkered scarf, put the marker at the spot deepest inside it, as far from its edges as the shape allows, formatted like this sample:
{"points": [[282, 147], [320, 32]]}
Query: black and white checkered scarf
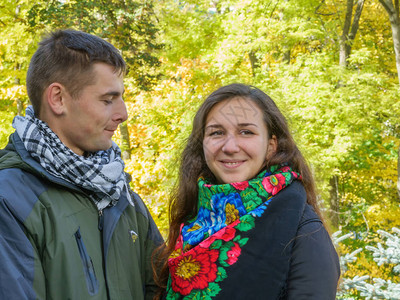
{"points": [[101, 172]]}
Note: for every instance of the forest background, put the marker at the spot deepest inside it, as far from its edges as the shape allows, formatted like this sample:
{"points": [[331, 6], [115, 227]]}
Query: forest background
{"points": [[330, 65]]}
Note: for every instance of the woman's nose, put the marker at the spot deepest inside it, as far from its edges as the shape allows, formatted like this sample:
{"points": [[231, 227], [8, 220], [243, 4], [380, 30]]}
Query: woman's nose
{"points": [[231, 144]]}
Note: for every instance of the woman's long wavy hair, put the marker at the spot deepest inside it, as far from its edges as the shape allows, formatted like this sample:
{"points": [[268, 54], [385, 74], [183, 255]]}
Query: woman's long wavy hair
{"points": [[183, 201]]}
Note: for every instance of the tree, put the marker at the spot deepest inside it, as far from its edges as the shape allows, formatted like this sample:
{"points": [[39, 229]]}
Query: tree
{"points": [[16, 46], [367, 286], [392, 10], [248, 41], [345, 43], [398, 172], [290, 49], [348, 36]]}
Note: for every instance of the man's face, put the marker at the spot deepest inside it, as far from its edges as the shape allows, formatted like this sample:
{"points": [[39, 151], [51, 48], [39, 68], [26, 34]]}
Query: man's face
{"points": [[90, 120]]}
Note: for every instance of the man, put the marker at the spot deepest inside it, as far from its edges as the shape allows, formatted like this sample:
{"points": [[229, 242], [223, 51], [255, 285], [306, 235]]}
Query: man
{"points": [[70, 227]]}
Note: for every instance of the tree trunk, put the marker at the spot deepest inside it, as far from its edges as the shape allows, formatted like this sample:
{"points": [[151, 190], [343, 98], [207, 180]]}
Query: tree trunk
{"points": [[20, 104], [334, 201], [398, 172], [286, 56], [348, 36], [393, 12], [255, 64], [356, 20], [125, 142], [344, 38]]}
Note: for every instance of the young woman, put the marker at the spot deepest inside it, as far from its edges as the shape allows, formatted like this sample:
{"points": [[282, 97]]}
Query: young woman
{"points": [[244, 220]]}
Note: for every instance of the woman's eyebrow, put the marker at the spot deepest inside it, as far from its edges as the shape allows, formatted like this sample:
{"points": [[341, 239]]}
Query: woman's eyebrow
{"points": [[214, 126], [246, 124]]}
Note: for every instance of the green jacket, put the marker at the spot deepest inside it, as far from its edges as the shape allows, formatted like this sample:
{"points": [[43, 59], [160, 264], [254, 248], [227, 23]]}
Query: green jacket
{"points": [[54, 244]]}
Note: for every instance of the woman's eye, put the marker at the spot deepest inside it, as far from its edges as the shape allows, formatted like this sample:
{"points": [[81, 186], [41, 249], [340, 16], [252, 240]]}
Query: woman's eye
{"points": [[246, 132], [216, 133]]}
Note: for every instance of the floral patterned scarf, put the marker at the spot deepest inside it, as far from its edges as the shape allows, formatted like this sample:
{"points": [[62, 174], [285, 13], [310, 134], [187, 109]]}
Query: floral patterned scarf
{"points": [[211, 241]]}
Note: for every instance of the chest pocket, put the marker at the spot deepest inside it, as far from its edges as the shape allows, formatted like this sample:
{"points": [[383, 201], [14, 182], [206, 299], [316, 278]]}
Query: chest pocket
{"points": [[88, 268]]}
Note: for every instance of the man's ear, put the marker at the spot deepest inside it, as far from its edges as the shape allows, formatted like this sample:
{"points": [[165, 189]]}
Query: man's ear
{"points": [[272, 146], [55, 98]]}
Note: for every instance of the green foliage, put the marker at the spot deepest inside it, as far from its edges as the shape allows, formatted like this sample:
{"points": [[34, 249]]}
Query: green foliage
{"points": [[198, 18], [345, 120], [378, 276], [5, 128], [129, 25], [16, 44]]}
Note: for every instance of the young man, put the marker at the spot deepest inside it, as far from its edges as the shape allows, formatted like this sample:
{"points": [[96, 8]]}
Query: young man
{"points": [[70, 227]]}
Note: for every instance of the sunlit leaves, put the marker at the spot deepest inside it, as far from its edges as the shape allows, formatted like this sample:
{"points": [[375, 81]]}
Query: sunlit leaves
{"points": [[345, 121], [130, 25]]}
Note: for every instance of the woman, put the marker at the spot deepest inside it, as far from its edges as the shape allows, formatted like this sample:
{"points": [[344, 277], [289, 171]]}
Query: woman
{"points": [[244, 220]]}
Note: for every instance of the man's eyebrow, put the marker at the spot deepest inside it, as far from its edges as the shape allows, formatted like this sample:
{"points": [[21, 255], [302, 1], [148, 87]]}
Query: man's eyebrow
{"points": [[113, 93]]}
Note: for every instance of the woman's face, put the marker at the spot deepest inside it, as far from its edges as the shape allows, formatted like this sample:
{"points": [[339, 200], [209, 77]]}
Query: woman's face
{"points": [[236, 144]]}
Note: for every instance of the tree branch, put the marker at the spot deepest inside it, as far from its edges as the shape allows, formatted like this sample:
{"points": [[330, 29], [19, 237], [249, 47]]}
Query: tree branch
{"points": [[347, 20], [388, 6], [356, 20]]}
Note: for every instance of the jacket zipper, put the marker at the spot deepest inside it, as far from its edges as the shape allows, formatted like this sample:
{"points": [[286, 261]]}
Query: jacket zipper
{"points": [[101, 226], [101, 220]]}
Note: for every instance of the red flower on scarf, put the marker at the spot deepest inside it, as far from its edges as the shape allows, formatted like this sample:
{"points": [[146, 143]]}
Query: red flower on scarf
{"points": [[285, 169], [193, 270], [241, 186], [274, 183], [226, 234], [233, 254], [295, 175]]}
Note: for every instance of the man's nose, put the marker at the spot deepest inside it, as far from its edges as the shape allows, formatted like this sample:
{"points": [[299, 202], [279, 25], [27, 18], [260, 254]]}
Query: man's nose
{"points": [[121, 114]]}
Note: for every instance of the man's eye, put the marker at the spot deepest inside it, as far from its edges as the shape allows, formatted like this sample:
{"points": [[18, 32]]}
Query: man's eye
{"points": [[107, 102]]}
